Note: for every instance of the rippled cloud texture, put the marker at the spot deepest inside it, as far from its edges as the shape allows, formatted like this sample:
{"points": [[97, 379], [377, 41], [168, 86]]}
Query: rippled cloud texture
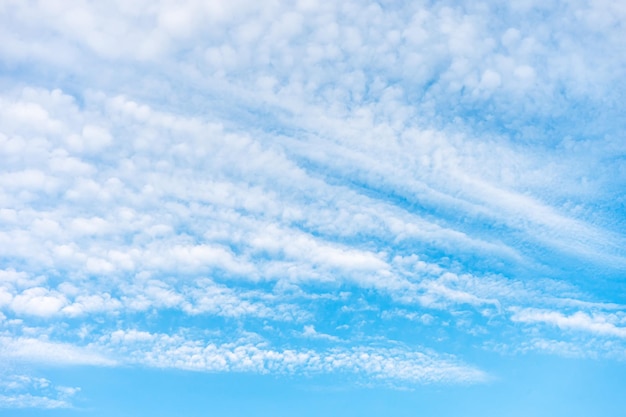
{"points": [[393, 194]]}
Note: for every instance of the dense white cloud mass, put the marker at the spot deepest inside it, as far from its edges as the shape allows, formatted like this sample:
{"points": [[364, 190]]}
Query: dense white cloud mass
{"points": [[309, 187]]}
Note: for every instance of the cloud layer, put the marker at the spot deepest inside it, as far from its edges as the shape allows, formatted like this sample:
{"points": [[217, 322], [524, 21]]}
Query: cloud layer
{"points": [[308, 188]]}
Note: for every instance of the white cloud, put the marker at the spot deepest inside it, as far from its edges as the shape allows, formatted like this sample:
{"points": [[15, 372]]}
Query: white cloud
{"points": [[23, 391], [86, 304], [285, 152], [31, 401], [406, 366], [310, 332], [33, 350], [38, 301], [601, 324]]}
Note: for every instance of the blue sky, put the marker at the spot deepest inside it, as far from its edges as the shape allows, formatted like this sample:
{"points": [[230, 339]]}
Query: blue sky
{"points": [[312, 208]]}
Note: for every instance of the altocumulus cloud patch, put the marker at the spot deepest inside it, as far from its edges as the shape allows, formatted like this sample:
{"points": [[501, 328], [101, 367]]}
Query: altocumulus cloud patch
{"points": [[393, 195]]}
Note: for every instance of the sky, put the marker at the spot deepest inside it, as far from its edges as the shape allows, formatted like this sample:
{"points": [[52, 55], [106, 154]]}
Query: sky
{"points": [[353, 208]]}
